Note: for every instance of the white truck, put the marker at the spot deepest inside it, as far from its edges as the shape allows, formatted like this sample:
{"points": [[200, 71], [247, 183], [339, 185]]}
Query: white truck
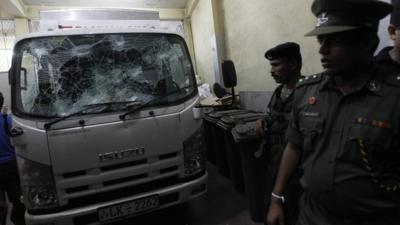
{"points": [[105, 125]]}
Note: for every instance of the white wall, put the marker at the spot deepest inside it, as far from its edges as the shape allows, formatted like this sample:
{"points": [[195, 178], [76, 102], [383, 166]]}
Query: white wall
{"points": [[383, 33], [254, 26], [250, 28], [203, 32]]}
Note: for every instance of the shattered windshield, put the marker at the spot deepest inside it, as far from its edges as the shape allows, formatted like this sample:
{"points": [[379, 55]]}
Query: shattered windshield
{"points": [[61, 75]]}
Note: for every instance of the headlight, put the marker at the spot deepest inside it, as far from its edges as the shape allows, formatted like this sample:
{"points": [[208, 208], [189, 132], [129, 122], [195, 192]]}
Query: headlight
{"points": [[194, 153], [37, 185]]}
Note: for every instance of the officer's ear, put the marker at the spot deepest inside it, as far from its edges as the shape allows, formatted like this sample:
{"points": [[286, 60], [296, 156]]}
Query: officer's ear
{"points": [[392, 32]]}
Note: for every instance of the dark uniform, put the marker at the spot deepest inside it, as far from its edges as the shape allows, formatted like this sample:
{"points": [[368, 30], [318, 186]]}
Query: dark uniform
{"points": [[384, 59], [280, 107], [350, 143], [280, 112], [351, 149]]}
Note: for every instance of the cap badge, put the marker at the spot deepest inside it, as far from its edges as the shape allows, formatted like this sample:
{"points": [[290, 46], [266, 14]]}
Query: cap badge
{"points": [[312, 100], [323, 18]]}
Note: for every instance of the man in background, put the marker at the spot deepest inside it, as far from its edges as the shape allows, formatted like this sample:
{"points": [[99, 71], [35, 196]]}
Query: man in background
{"points": [[9, 179], [390, 56], [286, 62]]}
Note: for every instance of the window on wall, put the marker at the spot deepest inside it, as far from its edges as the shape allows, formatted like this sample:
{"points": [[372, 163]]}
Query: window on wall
{"points": [[7, 37]]}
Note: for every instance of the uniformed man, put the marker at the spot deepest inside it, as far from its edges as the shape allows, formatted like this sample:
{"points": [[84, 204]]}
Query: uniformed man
{"points": [[286, 62], [345, 125], [390, 56]]}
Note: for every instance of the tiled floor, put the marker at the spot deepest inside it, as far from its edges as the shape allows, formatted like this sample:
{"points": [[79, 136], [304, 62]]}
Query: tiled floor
{"points": [[221, 205]]}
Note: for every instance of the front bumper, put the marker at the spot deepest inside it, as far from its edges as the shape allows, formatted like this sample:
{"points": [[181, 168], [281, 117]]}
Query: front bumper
{"points": [[87, 215]]}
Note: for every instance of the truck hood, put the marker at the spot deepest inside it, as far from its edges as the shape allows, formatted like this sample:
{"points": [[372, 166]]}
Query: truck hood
{"points": [[95, 146]]}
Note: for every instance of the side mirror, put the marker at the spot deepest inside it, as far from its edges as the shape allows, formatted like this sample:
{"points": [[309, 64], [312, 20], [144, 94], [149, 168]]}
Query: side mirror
{"points": [[24, 79], [9, 78]]}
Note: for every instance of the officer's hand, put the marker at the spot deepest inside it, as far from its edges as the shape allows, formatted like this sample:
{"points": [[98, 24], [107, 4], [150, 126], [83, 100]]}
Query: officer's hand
{"points": [[275, 214], [260, 124]]}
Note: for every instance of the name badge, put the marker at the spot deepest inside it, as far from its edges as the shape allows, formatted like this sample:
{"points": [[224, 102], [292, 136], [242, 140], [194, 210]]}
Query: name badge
{"points": [[312, 114]]}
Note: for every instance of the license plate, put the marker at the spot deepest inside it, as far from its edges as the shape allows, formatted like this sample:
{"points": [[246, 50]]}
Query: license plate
{"points": [[128, 208]]}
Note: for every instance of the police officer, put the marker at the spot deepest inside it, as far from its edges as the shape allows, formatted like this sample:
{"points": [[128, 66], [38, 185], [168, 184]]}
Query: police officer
{"points": [[286, 62], [345, 125], [390, 56]]}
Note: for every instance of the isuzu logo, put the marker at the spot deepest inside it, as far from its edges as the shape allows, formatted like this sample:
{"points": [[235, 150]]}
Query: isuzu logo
{"points": [[121, 154]]}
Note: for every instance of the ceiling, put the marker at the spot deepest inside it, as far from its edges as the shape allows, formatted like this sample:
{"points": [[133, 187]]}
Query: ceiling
{"points": [[173, 4]]}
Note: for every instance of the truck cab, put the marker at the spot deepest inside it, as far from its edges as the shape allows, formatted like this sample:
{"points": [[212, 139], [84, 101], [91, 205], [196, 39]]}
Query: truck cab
{"points": [[104, 125]]}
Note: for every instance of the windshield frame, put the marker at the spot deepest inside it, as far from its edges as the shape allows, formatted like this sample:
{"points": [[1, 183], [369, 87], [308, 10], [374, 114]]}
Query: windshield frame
{"points": [[15, 76]]}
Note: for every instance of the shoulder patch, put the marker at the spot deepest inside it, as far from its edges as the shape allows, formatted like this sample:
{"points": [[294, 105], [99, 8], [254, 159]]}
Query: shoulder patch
{"points": [[389, 75], [393, 79], [309, 80]]}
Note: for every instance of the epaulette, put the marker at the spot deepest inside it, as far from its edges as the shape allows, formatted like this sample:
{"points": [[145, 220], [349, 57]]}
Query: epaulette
{"points": [[389, 74], [309, 80], [393, 79]]}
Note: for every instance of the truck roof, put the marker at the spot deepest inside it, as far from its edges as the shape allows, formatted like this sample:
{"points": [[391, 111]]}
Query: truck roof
{"points": [[82, 31]]}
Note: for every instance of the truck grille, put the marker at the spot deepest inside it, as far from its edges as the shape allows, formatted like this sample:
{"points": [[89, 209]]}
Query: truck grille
{"points": [[93, 217], [80, 188], [129, 191], [123, 192]]}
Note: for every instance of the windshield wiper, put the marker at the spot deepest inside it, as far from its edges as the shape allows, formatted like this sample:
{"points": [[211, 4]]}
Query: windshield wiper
{"points": [[139, 107], [85, 108]]}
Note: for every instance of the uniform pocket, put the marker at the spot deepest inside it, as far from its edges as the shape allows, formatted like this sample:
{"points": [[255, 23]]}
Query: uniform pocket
{"points": [[377, 150], [311, 128], [381, 144]]}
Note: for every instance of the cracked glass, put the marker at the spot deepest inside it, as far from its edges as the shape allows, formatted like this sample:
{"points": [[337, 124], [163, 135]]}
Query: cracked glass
{"points": [[60, 75]]}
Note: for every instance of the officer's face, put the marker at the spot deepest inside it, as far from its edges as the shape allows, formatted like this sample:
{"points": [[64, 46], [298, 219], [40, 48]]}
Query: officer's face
{"points": [[281, 70], [340, 52], [394, 34]]}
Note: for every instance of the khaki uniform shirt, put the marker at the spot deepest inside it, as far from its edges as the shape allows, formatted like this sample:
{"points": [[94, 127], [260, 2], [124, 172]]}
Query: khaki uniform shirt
{"points": [[330, 128]]}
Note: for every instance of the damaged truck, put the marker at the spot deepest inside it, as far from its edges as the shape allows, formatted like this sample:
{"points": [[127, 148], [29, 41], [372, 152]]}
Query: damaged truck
{"points": [[105, 125]]}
